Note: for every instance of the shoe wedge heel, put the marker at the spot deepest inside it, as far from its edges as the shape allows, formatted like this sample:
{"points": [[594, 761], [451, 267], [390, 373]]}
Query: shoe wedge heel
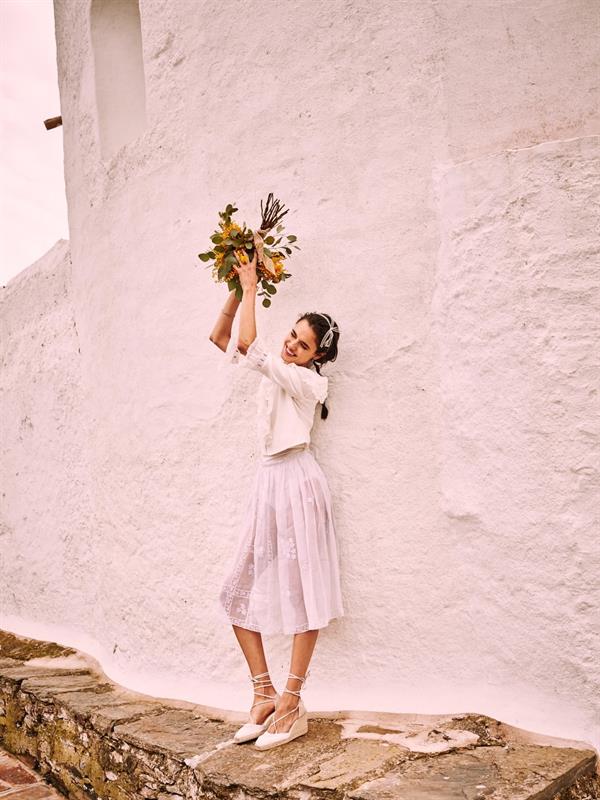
{"points": [[299, 726], [268, 740]]}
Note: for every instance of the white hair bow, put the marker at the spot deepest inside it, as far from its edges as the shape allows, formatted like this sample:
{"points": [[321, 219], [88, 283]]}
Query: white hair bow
{"points": [[328, 338]]}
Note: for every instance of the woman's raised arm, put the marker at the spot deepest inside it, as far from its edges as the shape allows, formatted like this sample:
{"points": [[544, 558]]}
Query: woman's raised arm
{"points": [[221, 333], [248, 281]]}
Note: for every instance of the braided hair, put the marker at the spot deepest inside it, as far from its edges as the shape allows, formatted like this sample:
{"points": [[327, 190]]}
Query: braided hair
{"points": [[321, 323]]}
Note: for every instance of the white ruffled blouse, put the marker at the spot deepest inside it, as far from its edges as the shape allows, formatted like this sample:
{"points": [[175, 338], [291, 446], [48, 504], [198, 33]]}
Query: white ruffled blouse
{"points": [[287, 396]]}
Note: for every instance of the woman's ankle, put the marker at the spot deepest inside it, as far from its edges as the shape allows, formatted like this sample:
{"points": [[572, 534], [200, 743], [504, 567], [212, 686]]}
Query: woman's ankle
{"points": [[270, 690]]}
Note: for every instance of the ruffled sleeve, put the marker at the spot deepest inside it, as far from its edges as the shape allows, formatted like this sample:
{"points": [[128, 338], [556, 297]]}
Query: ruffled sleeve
{"points": [[301, 383]]}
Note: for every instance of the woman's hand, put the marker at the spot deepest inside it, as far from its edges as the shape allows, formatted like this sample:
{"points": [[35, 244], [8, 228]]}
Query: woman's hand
{"points": [[246, 270]]}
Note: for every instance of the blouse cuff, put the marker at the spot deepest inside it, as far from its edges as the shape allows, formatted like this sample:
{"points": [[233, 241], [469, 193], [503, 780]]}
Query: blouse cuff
{"points": [[233, 354], [255, 357]]}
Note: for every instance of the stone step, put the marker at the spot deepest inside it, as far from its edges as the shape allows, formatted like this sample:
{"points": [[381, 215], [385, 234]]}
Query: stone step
{"points": [[92, 738]]}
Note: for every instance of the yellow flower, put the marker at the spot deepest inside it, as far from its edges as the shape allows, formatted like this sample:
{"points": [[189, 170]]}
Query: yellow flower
{"points": [[277, 260], [228, 227], [242, 255]]}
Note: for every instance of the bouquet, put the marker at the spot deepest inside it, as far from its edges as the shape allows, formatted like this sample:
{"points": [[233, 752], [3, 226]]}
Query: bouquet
{"points": [[230, 240]]}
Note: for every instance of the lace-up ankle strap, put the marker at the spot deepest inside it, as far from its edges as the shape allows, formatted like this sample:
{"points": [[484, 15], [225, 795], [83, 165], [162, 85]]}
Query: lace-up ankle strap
{"points": [[261, 681], [297, 694], [258, 678], [300, 678]]}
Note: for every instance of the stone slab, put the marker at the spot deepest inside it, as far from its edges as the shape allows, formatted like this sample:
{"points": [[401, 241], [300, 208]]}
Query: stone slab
{"points": [[10, 662], [106, 707], [355, 760], [106, 718], [48, 686], [523, 772], [175, 732], [23, 648], [96, 738], [234, 765], [23, 671]]}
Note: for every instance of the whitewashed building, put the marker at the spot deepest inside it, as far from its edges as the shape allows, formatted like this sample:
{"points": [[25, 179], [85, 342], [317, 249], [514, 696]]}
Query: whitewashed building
{"points": [[440, 163]]}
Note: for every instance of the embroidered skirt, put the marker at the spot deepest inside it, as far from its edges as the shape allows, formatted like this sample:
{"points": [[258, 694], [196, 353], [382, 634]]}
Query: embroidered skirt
{"points": [[284, 576]]}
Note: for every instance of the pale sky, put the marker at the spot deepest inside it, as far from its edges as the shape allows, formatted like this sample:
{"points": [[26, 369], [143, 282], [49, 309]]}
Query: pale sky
{"points": [[33, 209]]}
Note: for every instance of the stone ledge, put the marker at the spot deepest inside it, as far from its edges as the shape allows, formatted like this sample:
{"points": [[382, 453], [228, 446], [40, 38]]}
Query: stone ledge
{"points": [[95, 739]]}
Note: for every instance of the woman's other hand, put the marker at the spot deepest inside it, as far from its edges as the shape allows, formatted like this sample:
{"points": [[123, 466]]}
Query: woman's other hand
{"points": [[246, 270]]}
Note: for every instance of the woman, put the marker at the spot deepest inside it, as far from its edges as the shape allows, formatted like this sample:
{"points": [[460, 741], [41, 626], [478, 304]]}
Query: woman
{"points": [[284, 577]]}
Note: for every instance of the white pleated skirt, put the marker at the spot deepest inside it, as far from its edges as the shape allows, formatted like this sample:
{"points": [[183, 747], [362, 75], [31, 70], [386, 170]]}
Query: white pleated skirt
{"points": [[284, 576]]}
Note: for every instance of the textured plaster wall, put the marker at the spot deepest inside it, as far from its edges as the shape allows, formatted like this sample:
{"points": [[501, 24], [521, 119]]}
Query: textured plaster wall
{"points": [[515, 316], [46, 524], [437, 158]]}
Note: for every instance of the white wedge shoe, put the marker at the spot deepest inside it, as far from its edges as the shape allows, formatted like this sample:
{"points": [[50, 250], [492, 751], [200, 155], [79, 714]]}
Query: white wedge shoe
{"points": [[253, 729], [299, 726]]}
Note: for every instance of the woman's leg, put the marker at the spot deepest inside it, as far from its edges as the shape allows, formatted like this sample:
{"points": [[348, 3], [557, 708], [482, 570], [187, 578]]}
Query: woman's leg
{"points": [[252, 647], [302, 650]]}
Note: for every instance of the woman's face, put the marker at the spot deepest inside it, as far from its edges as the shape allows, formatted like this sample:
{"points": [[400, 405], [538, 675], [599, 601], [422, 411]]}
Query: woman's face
{"points": [[300, 345]]}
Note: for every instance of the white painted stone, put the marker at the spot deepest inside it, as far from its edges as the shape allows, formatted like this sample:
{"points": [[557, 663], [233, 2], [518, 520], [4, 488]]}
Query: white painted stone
{"points": [[438, 163]]}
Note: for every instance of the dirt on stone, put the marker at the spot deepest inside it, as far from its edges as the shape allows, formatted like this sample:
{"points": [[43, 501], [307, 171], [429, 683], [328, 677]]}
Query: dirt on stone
{"points": [[23, 649], [488, 729], [586, 788]]}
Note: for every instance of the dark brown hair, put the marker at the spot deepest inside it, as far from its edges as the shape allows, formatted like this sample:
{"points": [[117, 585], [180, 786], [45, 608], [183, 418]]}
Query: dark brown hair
{"points": [[320, 326]]}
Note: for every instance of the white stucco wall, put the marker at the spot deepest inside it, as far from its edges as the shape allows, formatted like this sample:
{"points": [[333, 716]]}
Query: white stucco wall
{"points": [[46, 559], [437, 159]]}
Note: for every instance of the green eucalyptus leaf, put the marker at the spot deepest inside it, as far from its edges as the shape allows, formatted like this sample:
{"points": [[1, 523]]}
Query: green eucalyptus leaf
{"points": [[269, 240], [266, 302], [292, 238], [204, 256], [270, 289]]}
